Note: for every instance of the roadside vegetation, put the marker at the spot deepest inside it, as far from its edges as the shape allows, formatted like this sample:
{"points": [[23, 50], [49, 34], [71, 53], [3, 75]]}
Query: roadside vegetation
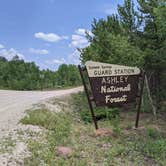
{"points": [[69, 128], [19, 75]]}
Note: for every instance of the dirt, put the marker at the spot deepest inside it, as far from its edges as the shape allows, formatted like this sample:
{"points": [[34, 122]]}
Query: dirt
{"points": [[14, 103], [14, 135]]}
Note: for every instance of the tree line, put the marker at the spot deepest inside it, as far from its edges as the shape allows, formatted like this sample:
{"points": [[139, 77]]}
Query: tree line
{"points": [[136, 36], [20, 75]]}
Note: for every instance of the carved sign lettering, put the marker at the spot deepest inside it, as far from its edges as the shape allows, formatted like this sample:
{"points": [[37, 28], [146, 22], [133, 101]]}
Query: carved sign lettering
{"points": [[113, 85]]}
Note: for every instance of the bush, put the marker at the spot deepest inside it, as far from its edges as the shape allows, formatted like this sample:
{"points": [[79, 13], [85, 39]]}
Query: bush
{"points": [[80, 104]]}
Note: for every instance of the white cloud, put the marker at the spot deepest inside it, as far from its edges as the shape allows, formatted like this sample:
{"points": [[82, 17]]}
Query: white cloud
{"points": [[50, 37], [9, 54], [39, 51], [79, 39], [74, 58], [2, 46], [59, 61], [56, 61], [82, 31]]}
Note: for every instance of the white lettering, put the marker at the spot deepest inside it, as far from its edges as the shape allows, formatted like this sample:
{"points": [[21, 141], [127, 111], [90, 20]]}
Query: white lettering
{"points": [[108, 99], [103, 81], [114, 89]]}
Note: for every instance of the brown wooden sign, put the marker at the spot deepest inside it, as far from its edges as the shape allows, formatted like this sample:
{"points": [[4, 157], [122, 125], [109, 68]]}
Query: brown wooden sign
{"points": [[113, 85]]}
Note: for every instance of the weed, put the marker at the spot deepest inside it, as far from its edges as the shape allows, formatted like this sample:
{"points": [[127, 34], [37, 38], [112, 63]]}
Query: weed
{"points": [[116, 125], [156, 149], [145, 146]]}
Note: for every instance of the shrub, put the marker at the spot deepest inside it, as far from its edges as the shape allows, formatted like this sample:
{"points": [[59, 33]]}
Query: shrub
{"points": [[80, 104]]}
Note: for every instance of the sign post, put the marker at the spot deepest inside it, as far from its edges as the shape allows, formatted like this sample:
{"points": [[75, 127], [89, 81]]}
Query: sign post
{"points": [[88, 97], [112, 85], [140, 99]]}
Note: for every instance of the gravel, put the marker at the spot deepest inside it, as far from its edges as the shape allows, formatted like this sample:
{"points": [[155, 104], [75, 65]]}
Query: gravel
{"points": [[12, 108], [14, 103]]}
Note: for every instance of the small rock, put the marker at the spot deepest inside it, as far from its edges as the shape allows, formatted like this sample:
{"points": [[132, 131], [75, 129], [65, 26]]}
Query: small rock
{"points": [[3, 161], [64, 151], [20, 148], [83, 154]]}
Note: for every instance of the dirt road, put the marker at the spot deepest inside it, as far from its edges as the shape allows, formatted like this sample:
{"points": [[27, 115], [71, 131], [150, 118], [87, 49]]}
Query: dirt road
{"points": [[14, 103]]}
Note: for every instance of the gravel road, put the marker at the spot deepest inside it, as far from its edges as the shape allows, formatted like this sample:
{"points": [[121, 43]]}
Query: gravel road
{"points": [[14, 103]]}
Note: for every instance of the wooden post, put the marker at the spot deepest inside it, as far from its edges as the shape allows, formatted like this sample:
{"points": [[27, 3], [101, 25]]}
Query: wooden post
{"points": [[150, 98], [88, 97], [140, 99]]}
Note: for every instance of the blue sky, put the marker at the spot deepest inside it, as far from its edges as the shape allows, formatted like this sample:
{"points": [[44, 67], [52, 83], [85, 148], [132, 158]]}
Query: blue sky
{"points": [[48, 31]]}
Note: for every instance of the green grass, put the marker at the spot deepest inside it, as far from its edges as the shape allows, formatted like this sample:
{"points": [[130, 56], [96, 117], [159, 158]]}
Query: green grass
{"points": [[46, 119], [38, 117], [58, 125], [145, 146]]}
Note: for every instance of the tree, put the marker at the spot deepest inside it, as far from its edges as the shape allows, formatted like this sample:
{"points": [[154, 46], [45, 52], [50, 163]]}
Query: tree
{"points": [[109, 45], [128, 17], [133, 37], [3, 59], [20, 75], [16, 58]]}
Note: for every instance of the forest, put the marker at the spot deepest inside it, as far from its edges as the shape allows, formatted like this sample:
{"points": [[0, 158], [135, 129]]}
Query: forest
{"points": [[136, 36], [19, 75]]}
